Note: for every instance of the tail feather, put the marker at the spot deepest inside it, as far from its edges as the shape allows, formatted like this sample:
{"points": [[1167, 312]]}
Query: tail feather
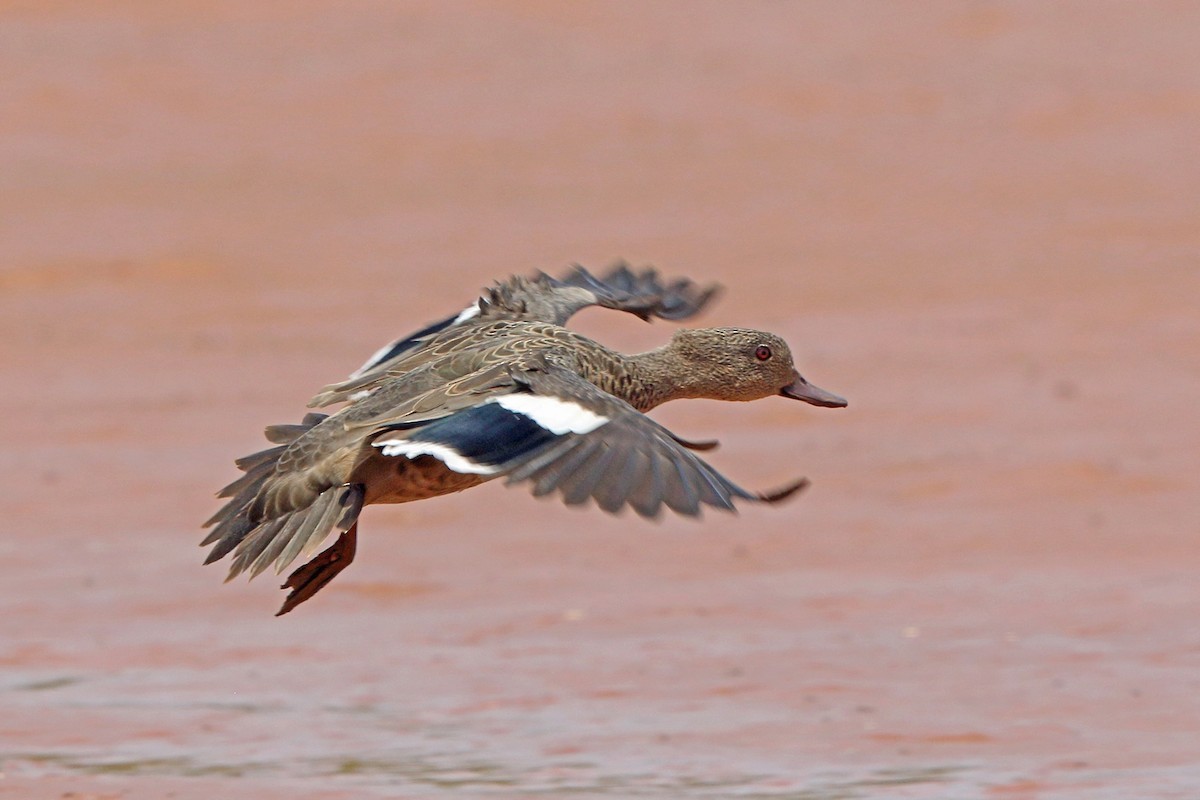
{"points": [[259, 539], [226, 536], [294, 537], [253, 545], [283, 551], [252, 477], [280, 541], [242, 491], [283, 434], [268, 456], [286, 434]]}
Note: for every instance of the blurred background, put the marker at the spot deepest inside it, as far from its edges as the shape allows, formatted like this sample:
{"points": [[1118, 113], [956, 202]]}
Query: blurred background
{"points": [[976, 220]]}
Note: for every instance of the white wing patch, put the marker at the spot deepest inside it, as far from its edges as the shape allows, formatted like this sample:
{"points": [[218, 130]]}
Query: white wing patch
{"points": [[467, 313], [552, 413], [447, 455], [375, 358]]}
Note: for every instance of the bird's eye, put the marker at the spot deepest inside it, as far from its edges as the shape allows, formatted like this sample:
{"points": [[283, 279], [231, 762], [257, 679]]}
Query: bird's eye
{"points": [[762, 352]]}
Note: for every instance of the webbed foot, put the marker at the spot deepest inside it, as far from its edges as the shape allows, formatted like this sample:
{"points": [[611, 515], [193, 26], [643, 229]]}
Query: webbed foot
{"points": [[311, 578]]}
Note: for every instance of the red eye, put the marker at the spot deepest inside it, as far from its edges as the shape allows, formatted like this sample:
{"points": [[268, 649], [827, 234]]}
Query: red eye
{"points": [[762, 352]]}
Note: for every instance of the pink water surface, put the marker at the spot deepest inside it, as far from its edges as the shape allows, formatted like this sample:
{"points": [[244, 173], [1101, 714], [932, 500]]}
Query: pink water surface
{"points": [[978, 221]]}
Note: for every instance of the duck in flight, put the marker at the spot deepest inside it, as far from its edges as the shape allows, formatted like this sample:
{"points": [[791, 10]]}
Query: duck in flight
{"points": [[502, 389]]}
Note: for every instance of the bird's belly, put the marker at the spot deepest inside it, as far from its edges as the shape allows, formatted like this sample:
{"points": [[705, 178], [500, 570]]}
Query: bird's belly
{"points": [[402, 480]]}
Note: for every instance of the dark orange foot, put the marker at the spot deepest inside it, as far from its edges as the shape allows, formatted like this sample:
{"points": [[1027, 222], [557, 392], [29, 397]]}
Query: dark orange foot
{"points": [[312, 577]]}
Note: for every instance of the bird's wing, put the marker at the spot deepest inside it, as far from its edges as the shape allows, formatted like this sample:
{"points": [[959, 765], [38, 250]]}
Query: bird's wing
{"points": [[293, 496], [555, 300], [458, 351], [553, 429], [642, 293]]}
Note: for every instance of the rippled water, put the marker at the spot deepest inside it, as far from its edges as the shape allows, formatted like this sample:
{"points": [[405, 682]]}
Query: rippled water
{"points": [[977, 221]]}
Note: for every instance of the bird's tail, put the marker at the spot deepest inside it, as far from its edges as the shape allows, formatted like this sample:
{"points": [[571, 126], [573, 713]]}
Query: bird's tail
{"points": [[258, 539]]}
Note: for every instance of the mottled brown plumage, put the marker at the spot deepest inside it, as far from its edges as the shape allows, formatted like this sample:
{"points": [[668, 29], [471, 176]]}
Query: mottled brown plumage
{"points": [[507, 392], [537, 299]]}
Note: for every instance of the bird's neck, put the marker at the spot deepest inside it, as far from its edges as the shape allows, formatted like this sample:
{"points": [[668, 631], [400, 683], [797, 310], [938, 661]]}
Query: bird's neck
{"points": [[656, 377]]}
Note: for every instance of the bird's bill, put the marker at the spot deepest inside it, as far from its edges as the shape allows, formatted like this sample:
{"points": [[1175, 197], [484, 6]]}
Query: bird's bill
{"points": [[800, 389]]}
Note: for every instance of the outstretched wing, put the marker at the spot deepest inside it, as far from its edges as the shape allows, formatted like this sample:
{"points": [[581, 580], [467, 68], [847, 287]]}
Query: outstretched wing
{"points": [[642, 293], [558, 432], [555, 300], [405, 343]]}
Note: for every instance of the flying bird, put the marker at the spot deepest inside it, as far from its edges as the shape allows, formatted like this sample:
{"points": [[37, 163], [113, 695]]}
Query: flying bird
{"points": [[503, 390]]}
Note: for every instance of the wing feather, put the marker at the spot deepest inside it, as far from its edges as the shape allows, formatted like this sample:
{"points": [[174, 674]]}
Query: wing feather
{"points": [[524, 300], [561, 433]]}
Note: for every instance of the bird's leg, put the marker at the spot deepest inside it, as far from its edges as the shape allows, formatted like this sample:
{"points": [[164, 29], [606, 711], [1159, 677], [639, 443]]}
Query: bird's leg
{"points": [[324, 567]]}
